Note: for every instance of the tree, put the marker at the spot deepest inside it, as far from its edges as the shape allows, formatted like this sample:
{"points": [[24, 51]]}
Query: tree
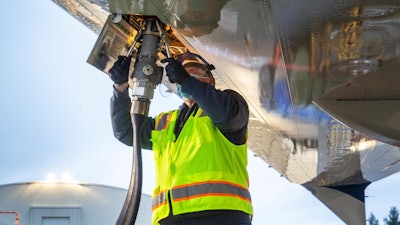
{"points": [[372, 220], [393, 217]]}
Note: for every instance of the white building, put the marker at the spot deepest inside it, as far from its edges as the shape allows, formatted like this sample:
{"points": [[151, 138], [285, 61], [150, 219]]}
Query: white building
{"points": [[57, 203]]}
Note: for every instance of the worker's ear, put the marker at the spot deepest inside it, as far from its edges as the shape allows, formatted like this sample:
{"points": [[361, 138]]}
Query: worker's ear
{"points": [[208, 80], [212, 81]]}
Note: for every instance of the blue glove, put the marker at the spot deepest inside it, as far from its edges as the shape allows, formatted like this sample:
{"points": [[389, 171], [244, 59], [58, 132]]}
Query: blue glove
{"points": [[119, 72], [175, 71]]}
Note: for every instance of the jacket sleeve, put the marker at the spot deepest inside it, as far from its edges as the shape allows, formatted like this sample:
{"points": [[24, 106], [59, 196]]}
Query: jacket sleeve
{"points": [[120, 105], [227, 109]]}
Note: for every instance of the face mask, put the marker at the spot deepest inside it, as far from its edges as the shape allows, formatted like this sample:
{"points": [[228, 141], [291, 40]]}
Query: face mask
{"points": [[181, 94]]}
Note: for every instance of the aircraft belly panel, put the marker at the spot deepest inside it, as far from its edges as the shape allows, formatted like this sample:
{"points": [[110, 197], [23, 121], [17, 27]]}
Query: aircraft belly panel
{"points": [[360, 104]]}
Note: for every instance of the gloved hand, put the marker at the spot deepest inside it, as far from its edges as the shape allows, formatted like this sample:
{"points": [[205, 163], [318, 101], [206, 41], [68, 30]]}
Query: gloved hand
{"points": [[175, 71], [119, 72]]}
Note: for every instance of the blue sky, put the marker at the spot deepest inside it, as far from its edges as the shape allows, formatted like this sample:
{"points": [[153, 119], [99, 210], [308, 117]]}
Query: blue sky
{"points": [[55, 119]]}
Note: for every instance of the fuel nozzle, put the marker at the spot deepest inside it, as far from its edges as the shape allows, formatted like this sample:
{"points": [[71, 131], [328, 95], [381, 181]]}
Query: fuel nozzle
{"points": [[146, 74]]}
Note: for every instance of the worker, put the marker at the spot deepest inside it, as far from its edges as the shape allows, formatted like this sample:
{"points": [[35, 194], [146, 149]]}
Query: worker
{"points": [[200, 149]]}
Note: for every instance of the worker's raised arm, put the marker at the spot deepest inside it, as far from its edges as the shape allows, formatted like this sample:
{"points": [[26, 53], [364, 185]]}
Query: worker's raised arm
{"points": [[120, 105], [227, 109]]}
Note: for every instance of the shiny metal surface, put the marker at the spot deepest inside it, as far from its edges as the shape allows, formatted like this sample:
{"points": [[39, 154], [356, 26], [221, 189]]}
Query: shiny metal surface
{"points": [[92, 14], [320, 77]]}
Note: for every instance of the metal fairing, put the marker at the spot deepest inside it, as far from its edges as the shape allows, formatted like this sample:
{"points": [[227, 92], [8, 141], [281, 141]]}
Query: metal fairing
{"points": [[320, 77]]}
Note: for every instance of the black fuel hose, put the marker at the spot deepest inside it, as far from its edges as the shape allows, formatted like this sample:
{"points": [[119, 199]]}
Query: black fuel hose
{"points": [[130, 208]]}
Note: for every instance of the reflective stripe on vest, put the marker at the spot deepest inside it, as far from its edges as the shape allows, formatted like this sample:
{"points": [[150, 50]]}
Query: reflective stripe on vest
{"points": [[162, 121], [201, 189], [159, 200]]}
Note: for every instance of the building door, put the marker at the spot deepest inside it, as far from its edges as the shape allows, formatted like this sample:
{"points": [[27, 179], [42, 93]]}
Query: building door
{"points": [[55, 216]]}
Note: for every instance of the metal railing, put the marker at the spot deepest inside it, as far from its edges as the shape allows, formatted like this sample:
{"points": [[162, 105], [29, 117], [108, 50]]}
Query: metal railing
{"points": [[12, 212]]}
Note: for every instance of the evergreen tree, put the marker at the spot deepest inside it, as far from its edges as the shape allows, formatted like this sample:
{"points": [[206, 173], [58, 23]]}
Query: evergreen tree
{"points": [[372, 220], [393, 218]]}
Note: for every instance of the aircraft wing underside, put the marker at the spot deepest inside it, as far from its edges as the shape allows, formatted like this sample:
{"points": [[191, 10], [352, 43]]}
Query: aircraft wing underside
{"points": [[320, 78]]}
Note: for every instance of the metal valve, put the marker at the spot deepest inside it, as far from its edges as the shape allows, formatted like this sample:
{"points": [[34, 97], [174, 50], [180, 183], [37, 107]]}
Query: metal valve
{"points": [[146, 74]]}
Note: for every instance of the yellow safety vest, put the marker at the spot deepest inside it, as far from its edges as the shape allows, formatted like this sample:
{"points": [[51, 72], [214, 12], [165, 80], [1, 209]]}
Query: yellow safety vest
{"points": [[201, 170]]}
